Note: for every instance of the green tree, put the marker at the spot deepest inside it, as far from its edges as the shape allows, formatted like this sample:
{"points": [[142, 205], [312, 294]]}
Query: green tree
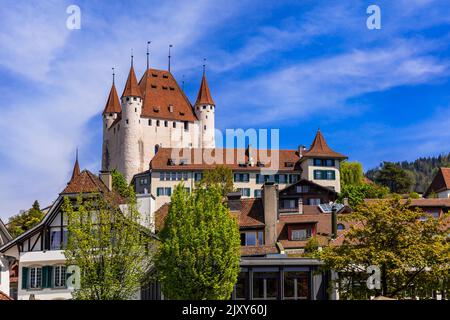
{"points": [[221, 177], [351, 173], [394, 177], [111, 248], [357, 193], [199, 255], [409, 246], [121, 186], [22, 222]]}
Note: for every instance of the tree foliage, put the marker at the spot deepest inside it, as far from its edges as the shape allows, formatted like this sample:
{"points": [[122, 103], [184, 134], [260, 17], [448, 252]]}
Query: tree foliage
{"points": [[409, 246], [351, 173], [220, 177], [357, 193], [391, 175], [121, 186], [22, 222], [423, 170], [111, 248], [199, 255]]}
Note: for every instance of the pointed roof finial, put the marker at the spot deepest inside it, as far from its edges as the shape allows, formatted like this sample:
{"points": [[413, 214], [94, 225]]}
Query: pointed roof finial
{"points": [[182, 83], [76, 168], [204, 66], [170, 46], [132, 57], [113, 74], [204, 95], [148, 53]]}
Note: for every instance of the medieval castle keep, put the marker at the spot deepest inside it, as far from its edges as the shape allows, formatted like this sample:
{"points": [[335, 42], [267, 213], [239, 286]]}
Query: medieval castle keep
{"points": [[151, 114]]}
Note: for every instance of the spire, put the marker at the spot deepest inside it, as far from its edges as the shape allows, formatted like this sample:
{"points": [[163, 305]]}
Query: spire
{"points": [[170, 46], [113, 104], [148, 54], [76, 168], [204, 95], [320, 148], [131, 87]]}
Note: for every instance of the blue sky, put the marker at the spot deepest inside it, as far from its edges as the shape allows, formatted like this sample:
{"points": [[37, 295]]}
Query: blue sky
{"points": [[294, 65]]}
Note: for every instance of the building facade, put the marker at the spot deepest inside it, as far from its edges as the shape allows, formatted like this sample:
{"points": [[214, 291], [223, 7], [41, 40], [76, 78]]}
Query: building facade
{"points": [[440, 186]]}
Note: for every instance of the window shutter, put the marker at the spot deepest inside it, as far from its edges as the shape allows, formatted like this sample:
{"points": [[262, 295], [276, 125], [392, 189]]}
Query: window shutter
{"points": [[46, 277], [25, 278]]}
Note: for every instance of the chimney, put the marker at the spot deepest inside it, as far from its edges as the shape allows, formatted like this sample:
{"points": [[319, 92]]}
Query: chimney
{"points": [[106, 178], [270, 205], [301, 149], [333, 222], [234, 201], [250, 154], [300, 205]]}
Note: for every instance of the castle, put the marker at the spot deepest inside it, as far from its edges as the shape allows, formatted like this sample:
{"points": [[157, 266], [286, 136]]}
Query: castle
{"points": [[151, 114]]}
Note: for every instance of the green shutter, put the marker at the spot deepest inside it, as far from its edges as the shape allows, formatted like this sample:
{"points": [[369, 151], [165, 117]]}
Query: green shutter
{"points": [[47, 277], [25, 278]]}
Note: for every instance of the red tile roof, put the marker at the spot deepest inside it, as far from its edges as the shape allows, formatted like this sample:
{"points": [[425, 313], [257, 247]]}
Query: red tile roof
{"points": [[113, 103], [204, 95], [131, 86], [287, 159], [251, 213], [423, 202], [160, 91], [258, 250], [76, 169], [320, 148], [85, 182], [4, 296], [441, 181]]}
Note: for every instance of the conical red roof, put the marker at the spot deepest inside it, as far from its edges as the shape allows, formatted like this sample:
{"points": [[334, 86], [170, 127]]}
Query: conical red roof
{"points": [[76, 170], [113, 104], [320, 148], [204, 95], [131, 87]]}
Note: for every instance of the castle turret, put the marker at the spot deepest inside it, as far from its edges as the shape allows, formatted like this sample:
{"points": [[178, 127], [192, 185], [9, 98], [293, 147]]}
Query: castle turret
{"points": [[204, 110], [132, 149], [110, 114]]}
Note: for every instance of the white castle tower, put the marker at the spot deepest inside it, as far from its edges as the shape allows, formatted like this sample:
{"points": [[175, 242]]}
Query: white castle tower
{"points": [[153, 113], [204, 110]]}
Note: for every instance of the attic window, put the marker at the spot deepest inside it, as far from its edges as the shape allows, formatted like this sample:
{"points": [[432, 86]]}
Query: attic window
{"points": [[164, 87], [288, 164], [154, 75], [181, 113], [153, 86], [242, 164], [156, 109], [260, 164], [165, 76], [183, 162], [171, 88], [170, 108], [170, 162]]}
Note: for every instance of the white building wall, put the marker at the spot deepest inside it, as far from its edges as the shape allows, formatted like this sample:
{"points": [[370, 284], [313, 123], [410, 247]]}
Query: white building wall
{"points": [[4, 275], [308, 168]]}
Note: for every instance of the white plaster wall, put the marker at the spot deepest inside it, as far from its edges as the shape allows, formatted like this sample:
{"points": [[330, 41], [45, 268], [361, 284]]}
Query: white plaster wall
{"points": [[308, 173], [4, 275], [145, 206], [206, 118]]}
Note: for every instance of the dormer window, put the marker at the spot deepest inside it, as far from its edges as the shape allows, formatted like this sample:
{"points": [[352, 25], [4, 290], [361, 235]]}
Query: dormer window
{"points": [[153, 86], [170, 162], [288, 164], [171, 88], [165, 76], [171, 108], [128, 98], [154, 75]]}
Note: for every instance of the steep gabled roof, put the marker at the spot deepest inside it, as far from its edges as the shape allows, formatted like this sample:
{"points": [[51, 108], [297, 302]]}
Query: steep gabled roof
{"points": [[204, 95], [4, 296], [85, 182], [76, 169], [113, 103], [163, 98], [441, 181], [320, 148], [131, 86]]}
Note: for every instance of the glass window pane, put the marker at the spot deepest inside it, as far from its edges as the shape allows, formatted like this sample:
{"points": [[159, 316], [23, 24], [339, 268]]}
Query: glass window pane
{"points": [[242, 286], [250, 239]]}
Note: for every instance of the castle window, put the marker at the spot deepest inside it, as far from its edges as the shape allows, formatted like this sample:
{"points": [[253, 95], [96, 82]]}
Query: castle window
{"points": [[128, 98], [149, 122], [134, 98], [186, 126], [206, 116], [165, 76], [170, 108], [174, 124], [166, 123], [204, 107], [126, 121], [157, 123], [110, 114], [153, 86], [135, 109], [204, 127]]}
